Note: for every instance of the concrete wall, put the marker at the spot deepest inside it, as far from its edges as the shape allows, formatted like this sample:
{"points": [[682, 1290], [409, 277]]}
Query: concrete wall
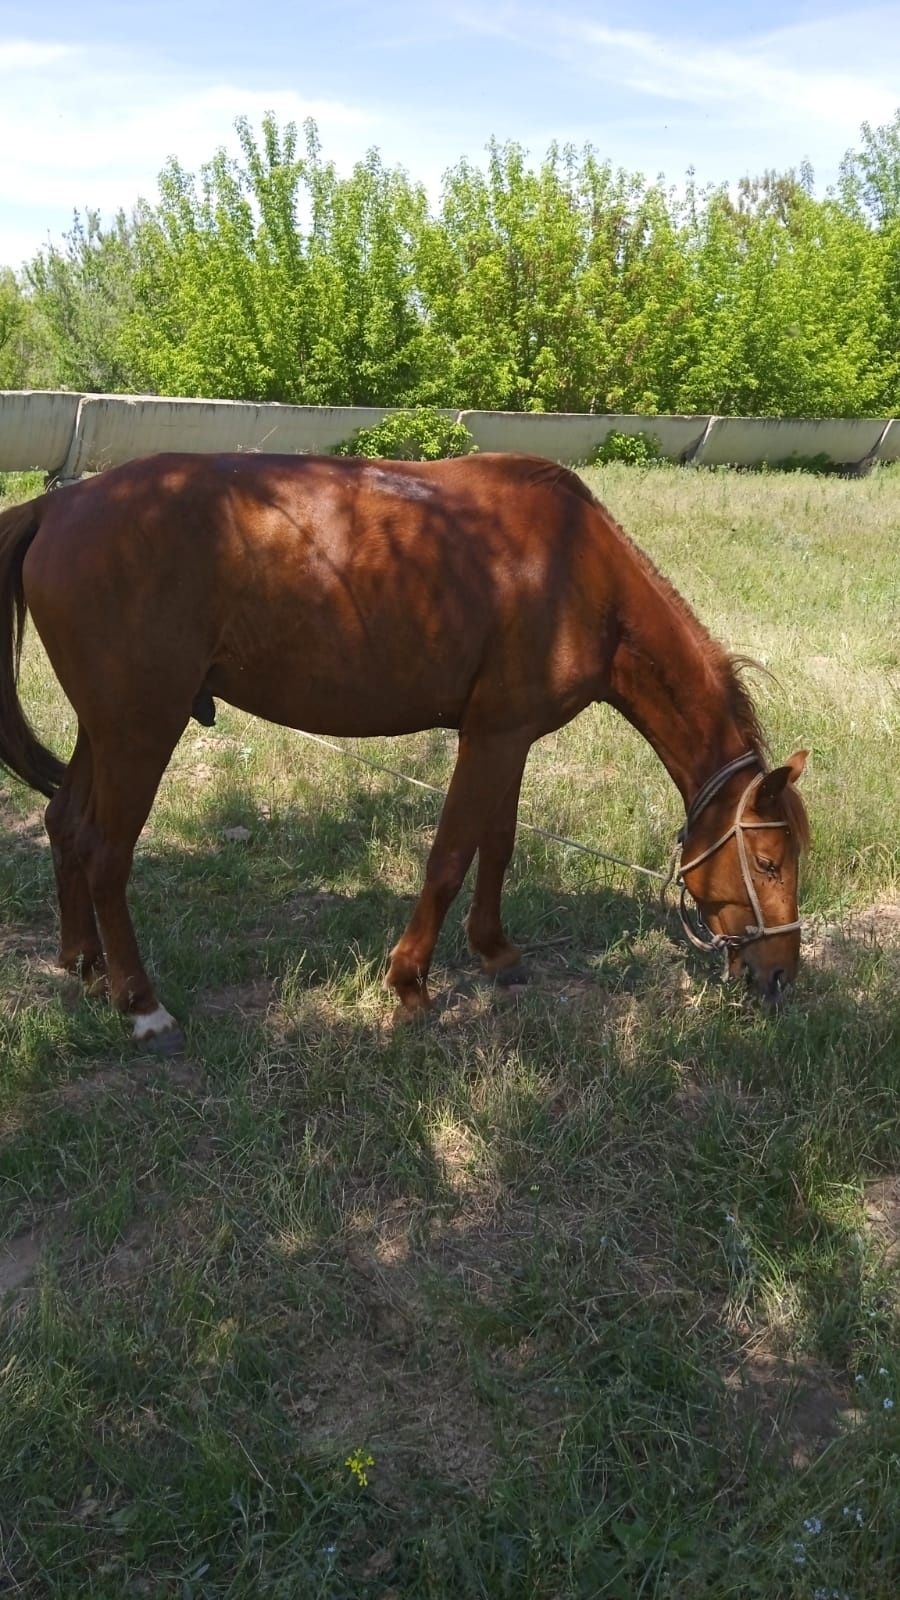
{"points": [[70, 434], [750, 441], [36, 426], [116, 428], [888, 447], [574, 436]]}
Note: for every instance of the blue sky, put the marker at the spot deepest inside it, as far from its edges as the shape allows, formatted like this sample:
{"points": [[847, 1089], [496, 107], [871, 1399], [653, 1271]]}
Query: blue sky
{"points": [[93, 98]]}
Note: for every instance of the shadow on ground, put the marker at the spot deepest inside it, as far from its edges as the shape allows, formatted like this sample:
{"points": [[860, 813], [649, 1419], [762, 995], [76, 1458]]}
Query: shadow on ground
{"points": [[590, 1269]]}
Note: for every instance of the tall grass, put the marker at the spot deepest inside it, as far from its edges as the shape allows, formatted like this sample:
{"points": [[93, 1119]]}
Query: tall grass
{"points": [[602, 1274]]}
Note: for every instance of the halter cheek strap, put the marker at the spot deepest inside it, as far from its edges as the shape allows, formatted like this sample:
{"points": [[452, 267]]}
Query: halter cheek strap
{"points": [[702, 937]]}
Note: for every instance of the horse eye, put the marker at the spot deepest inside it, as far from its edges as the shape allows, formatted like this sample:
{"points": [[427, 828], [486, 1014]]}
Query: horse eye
{"points": [[765, 865]]}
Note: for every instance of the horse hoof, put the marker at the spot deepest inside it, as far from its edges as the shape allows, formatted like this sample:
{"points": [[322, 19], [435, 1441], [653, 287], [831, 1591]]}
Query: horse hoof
{"points": [[414, 1007], [515, 977], [158, 1032], [170, 1043]]}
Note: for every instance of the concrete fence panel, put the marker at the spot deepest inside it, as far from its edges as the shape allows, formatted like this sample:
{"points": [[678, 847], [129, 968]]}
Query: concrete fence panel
{"points": [[116, 428], [70, 434], [888, 447], [751, 441], [36, 427], [572, 437]]}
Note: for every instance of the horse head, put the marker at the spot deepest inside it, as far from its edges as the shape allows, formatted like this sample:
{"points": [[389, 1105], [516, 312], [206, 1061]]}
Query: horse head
{"points": [[741, 864]]}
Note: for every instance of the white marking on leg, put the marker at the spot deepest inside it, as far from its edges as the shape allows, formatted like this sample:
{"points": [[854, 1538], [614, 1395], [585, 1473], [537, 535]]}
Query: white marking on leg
{"points": [[150, 1022]]}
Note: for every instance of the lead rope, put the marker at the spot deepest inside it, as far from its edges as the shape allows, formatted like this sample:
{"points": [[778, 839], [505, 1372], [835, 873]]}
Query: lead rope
{"points": [[715, 941], [665, 878]]}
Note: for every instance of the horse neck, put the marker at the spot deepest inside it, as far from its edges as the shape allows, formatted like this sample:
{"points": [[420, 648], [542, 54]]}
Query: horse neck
{"points": [[673, 684]]}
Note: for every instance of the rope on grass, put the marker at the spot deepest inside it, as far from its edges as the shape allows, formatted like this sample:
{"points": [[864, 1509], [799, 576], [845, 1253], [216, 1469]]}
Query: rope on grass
{"points": [[529, 827]]}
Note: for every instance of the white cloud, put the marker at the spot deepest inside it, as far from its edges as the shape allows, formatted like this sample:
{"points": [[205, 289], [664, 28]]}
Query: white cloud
{"points": [[92, 128], [750, 78], [823, 77], [93, 125], [23, 55]]}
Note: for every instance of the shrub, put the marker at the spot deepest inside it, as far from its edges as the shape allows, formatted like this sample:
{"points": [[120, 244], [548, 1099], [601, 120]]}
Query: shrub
{"points": [[16, 486], [424, 434], [636, 449], [821, 464]]}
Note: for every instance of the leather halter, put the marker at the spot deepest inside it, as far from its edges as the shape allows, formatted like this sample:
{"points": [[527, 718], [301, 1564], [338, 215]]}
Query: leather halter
{"points": [[703, 937]]}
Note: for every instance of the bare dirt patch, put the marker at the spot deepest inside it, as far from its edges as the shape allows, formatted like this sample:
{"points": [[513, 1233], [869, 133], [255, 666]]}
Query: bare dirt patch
{"points": [[38, 975], [251, 1000], [19, 1259], [880, 923], [307, 906], [413, 1421], [132, 1080], [216, 741], [799, 1405], [28, 944], [29, 825], [130, 1257], [881, 1201], [696, 1101], [403, 1389], [834, 946], [126, 1261]]}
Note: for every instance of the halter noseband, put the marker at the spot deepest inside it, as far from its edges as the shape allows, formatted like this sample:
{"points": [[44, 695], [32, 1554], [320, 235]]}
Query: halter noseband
{"points": [[703, 937]]}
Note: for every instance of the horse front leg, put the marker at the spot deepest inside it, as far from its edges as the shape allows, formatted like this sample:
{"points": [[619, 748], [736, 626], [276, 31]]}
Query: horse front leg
{"points": [[487, 767], [484, 927]]}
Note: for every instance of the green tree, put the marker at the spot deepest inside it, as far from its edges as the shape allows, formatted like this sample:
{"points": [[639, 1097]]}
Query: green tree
{"points": [[566, 286], [500, 271], [271, 278], [81, 298], [16, 353], [870, 177], [790, 318]]}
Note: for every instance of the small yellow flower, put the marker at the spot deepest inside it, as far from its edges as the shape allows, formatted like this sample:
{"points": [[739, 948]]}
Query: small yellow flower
{"points": [[358, 1463]]}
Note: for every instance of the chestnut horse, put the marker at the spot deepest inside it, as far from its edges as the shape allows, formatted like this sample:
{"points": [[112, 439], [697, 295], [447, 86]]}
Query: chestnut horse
{"points": [[492, 594]]}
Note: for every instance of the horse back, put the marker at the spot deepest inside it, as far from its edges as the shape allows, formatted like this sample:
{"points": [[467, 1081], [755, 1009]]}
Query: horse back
{"points": [[387, 590]]}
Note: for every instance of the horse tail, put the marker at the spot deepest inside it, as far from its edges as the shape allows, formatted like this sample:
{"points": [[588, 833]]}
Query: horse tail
{"points": [[21, 751]]}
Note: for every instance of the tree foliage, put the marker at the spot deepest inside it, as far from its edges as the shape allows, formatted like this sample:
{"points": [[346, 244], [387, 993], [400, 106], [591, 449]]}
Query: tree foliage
{"points": [[14, 352], [561, 286]]}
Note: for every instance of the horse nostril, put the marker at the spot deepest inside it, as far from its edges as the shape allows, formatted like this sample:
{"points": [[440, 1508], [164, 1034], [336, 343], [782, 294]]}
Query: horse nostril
{"points": [[777, 982]]}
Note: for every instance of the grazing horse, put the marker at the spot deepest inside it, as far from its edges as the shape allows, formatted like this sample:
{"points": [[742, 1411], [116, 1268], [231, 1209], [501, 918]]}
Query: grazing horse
{"points": [[492, 594]]}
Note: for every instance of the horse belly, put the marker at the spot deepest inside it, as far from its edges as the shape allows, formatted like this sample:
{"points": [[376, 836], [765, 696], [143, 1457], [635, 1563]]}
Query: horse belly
{"points": [[324, 691]]}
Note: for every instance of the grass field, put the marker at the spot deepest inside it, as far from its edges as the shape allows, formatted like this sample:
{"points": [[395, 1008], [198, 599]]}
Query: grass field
{"points": [[601, 1274]]}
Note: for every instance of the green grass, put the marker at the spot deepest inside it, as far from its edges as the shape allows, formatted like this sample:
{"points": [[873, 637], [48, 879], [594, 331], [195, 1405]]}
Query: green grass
{"points": [[604, 1274]]}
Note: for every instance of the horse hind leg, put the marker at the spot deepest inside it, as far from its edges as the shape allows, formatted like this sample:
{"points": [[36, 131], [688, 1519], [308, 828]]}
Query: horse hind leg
{"points": [[80, 950], [125, 780]]}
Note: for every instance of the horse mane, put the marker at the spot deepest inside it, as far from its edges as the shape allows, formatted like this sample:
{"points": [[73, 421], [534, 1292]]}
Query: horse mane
{"points": [[552, 475], [747, 718], [727, 666]]}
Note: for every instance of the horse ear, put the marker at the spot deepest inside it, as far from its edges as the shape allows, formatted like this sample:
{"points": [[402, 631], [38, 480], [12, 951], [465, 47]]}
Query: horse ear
{"points": [[774, 782]]}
